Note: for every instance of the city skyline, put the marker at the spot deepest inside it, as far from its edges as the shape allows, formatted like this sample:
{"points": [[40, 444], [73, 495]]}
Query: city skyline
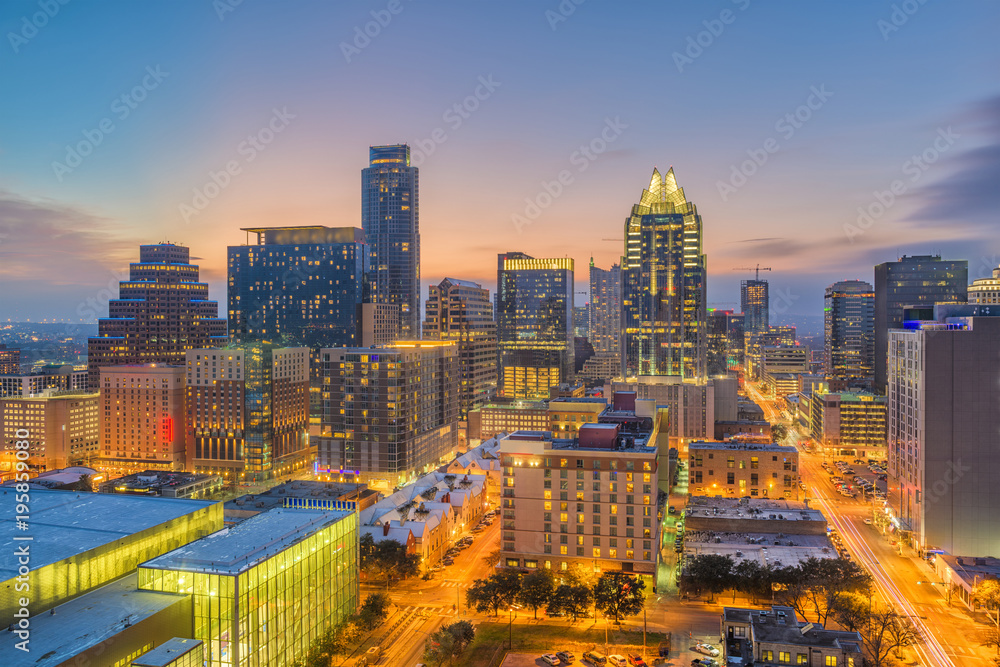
{"points": [[68, 230]]}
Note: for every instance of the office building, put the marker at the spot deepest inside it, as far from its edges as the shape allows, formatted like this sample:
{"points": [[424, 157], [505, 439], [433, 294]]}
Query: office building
{"points": [[298, 285], [605, 309], [378, 324], [738, 469], [691, 405], [849, 423], [725, 341], [920, 280], [142, 419], [389, 413], [568, 415], [391, 221], [164, 484], [534, 324], [849, 340], [755, 303], [981, 291], [10, 361], [264, 589], [793, 359], [942, 429], [461, 311], [493, 419], [779, 335], [161, 312], [63, 430], [247, 411], [590, 500], [56, 377], [776, 636], [664, 317]]}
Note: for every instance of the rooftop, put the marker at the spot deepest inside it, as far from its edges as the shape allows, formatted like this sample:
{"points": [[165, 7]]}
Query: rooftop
{"points": [[66, 523], [780, 625], [240, 547], [765, 548], [753, 508], [743, 446], [275, 496], [168, 652]]}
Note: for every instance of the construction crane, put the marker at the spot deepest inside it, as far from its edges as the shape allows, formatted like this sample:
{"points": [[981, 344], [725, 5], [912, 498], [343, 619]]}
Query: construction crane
{"points": [[756, 270]]}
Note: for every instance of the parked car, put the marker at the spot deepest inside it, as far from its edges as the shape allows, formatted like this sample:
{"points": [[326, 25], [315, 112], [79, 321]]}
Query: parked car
{"points": [[704, 662], [636, 660], [596, 658], [566, 656], [707, 649], [867, 521], [550, 659], [616, 660]]}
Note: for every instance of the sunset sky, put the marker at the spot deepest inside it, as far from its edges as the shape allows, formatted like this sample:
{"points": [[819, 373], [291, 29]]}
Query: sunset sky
{"points": [[162, 94]]}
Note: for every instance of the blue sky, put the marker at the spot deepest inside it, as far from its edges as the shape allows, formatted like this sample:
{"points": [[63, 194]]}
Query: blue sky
{"points": [[895, 80]]}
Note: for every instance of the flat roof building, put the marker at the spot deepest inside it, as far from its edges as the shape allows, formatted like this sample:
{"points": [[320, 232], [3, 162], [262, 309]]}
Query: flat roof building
{"points": [[738, 469]]}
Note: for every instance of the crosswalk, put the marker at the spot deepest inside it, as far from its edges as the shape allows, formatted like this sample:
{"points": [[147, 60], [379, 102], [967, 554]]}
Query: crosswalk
{"points": [[427, 610], [454, 584]]}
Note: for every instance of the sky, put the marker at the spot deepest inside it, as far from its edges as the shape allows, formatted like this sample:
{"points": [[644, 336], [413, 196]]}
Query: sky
{"points": [[816, 138]]}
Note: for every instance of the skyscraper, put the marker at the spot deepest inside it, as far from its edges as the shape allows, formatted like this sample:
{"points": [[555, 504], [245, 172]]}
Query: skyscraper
{"points": [[161, 312], [849, 341], [461, 311], [725, 341], [755, 302], [534, 324], [389, 216], [912, 281], [298, 284], [663, 285], [606, 309]]}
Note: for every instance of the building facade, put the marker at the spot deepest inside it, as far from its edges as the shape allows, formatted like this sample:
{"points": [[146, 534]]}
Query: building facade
{"points": [[142, 419], [849, 331], [378, 324], [981, 291], [920, 280], [10, 361], [849, 423], [390, 413], [298, 285], [776, 636], [58, 377], [943, 420], [664, 316], [725, 341], [161, 312], [756, 306], [247, 411], [738, 469], [568, 415], [391, 221], [605, 310], [62, 430], [534, 325], [461, 311], [691, 404], [495, 418]]}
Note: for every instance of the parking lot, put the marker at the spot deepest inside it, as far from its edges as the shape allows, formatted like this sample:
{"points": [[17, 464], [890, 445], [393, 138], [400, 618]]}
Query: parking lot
{"points": [[861, 480]]}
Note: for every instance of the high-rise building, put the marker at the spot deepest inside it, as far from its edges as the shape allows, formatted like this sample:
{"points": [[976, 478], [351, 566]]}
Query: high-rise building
{"points": [[390, 218], [142, 419], [664, 317], [920, 280], [378, 324], [298, 285], [62, 430], [389, 413], [606, 315], [982, 290], [754, 301], [161, 312], [849, 423], [725, 341], [58, 377], [849, 340], [10, 361], [943, 420], [247, 411], [534, 324], [462, 311]]}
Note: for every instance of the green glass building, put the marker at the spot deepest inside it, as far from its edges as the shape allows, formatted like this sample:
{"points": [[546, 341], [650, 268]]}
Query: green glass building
{"points": [[265, 589]]}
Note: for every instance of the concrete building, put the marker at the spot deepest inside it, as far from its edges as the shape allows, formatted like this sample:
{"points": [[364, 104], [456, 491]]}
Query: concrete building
{"points": [[851, 424], [589, 500], [161, 312], [738, 469], [740, 429], [461, 311], [305, 493], [142, 419], [784, 359], [782, 384], [568, 415], [849, 331], [981, 291], [920, 280], [378, 324], [62, 430], [494, 419], [943, 419], [57, 377], [755, 304], [605, 321], [390, 414], [164, 484], [247, 411], [691, 405], [10, 361], [725, 341], [776, 636]]}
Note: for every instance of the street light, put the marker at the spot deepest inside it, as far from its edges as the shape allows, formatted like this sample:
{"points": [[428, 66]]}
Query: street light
{"points": [[939, 583]]}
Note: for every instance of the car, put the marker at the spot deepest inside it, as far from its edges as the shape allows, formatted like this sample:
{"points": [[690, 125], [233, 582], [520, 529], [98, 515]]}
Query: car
{"points": [[704, 662], [448, 561], [707, 649], [616, 660], [636, 660], [550, 658], [672, 510], [867, 521], [595, 658], [566, 656]]}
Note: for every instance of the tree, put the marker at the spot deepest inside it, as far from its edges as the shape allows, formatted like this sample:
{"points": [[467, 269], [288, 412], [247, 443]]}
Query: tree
{"points": [[492, 559], [755, 580], [619, 594], [387, 559], [537, 589], [574, 601], [827, 578], [499, 590], [987, 593], [990, 637], [335, 641], [886, 631], [578, 574], [85, 483], [779, 432], [711, 572], [374, 610], [449, 642]]}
